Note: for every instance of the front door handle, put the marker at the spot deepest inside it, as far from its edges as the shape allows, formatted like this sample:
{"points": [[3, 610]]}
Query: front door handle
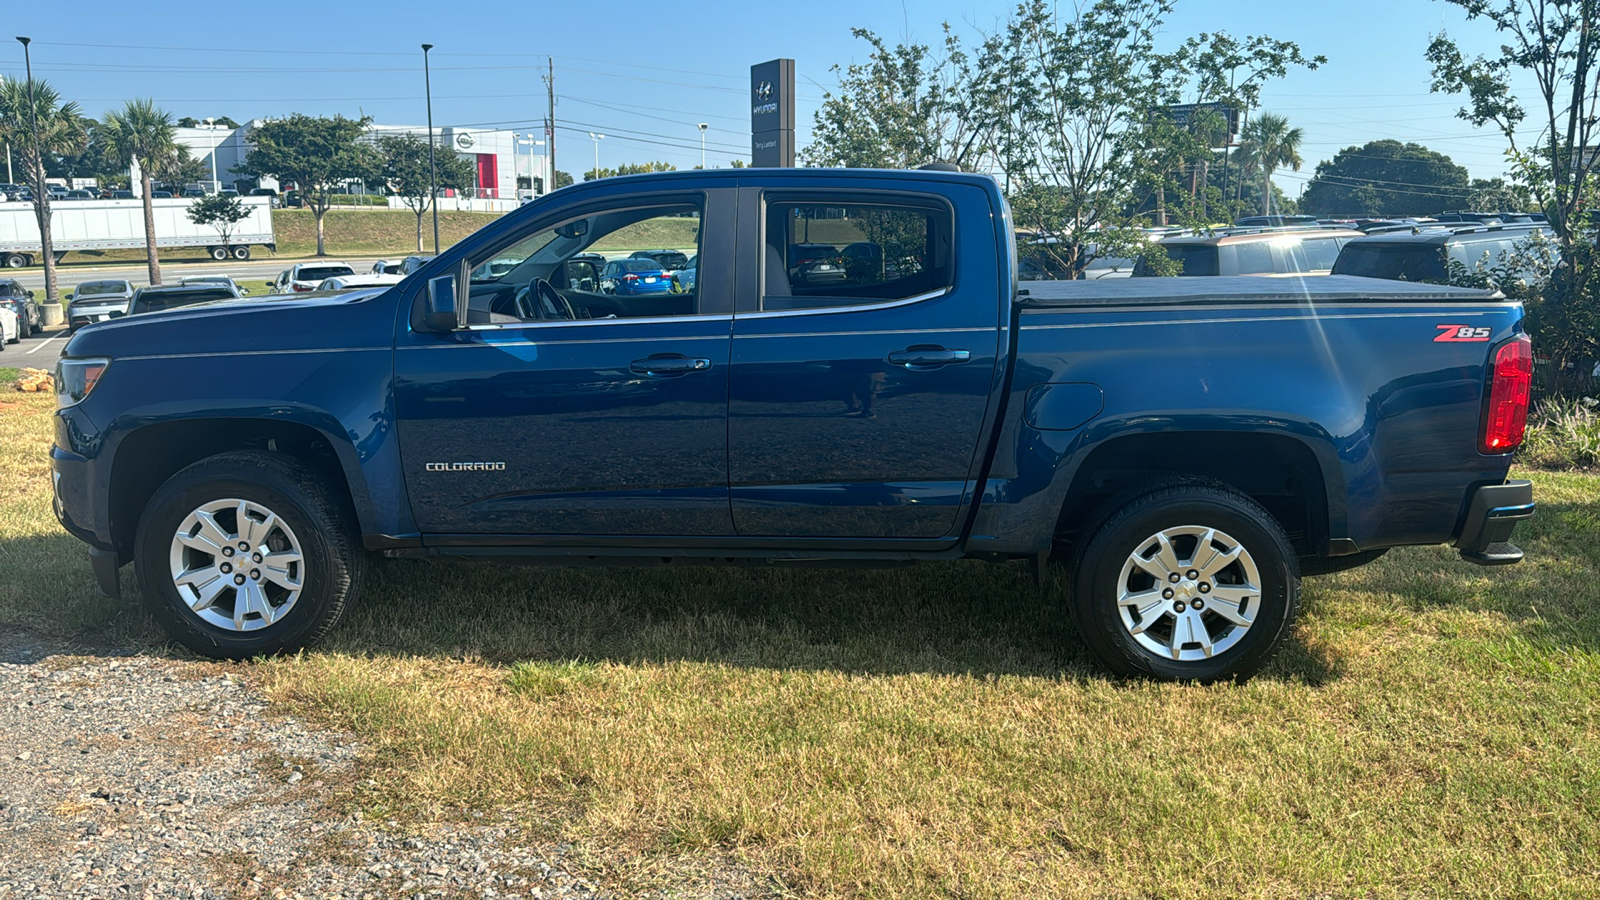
{"points": [[668, 365], [924, 357]]}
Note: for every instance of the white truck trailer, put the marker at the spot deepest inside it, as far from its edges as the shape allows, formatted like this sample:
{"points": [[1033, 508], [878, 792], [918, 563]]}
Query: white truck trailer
{"points": [[119, 225]]}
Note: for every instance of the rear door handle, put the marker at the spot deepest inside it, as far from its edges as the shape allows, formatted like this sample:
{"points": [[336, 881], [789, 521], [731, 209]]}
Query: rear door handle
{"points": [[922, 357], [668, 365]]}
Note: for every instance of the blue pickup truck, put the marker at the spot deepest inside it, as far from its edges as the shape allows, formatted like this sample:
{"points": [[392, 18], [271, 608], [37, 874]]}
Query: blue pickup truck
{"points": [[1189, 451]]}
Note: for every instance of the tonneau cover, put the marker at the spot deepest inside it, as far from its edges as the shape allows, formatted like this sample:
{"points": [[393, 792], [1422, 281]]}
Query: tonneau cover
{"points": [[1241, 289]]}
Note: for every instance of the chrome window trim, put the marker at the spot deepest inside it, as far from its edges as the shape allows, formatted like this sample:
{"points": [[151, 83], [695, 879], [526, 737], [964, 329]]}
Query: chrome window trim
{"points": [[864, 307], [567, 323]]}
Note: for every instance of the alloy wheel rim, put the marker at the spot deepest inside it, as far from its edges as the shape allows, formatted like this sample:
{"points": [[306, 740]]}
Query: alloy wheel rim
{"points": [[237, 565], [1188, 593]]}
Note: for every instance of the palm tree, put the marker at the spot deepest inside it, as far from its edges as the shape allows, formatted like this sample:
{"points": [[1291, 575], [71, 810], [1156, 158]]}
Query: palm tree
{"points": [[48, 128], [1272, 144], [141, 134]]}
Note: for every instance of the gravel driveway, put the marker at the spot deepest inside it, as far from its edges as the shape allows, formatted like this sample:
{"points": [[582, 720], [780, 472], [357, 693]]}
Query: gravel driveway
{"points": [[145, 777]]}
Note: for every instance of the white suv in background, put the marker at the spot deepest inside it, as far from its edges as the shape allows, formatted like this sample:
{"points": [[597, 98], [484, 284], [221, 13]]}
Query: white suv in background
{"points": [[304, 277]]}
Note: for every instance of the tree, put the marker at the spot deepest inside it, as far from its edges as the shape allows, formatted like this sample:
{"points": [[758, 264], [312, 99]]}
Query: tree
{"points": [[629, 169], [1557, 43], [1498, 195], [36, 124], [316, 154], [562, 179], [901, 109], [1387, 178], [1272, 143], [220, 212], [143, 135], [183, 168], [1075, 96], [404, 168], [192, 122]]}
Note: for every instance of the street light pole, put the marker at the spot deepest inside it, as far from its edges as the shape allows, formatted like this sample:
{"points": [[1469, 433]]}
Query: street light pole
{"points": [[216, 183], [433, 170], [702, 126], [597, 138], [41, 197]]}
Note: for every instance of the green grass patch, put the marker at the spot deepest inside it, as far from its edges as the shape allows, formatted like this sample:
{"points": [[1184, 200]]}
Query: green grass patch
{"points": [[939, 730], [8, 374], [1564, 434]]}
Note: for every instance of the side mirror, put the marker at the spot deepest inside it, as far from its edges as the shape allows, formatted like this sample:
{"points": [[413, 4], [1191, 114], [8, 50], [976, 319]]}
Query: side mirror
{"points": [[442, 314]]}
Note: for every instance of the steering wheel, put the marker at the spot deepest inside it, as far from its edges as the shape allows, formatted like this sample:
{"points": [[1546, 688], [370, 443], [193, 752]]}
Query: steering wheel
{"points": [[540, 300], [550, 302]]}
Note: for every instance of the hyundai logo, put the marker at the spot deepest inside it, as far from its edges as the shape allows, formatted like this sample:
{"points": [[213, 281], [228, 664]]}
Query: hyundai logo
{"points": [[764, 91]]}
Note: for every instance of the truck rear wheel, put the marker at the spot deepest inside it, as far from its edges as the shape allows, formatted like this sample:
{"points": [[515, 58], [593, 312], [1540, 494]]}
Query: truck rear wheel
{"points": [[218, 253], [246, 554], [241, 252], [15, 260], [1185, 583]]}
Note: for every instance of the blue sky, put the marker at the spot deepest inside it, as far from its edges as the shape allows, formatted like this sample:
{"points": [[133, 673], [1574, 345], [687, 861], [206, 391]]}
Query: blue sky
{"points": [[645, 73]]}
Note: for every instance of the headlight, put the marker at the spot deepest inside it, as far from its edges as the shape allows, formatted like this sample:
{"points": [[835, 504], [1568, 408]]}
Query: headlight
{"points": [[75, 378]]}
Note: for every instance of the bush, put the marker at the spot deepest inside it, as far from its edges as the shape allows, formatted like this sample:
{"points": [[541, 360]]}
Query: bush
{"points": [[1564, 434]]}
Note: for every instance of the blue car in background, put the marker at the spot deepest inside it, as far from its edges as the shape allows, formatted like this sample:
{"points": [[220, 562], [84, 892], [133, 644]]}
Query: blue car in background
{"points": [[629, 277]]}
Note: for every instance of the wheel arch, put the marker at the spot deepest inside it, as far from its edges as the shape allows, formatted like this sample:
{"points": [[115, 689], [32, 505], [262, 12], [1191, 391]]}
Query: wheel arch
{"points": [[150, 455], [1280, 471]]}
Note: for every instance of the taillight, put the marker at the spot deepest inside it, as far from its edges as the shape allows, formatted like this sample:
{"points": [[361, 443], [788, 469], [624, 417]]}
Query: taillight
{"points": [[1505, 416], [303, 287], [630, 278]]}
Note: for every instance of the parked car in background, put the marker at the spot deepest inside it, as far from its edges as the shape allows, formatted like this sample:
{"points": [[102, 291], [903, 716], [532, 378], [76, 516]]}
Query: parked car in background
{"points": [[688, 275], [228, 192], [1273, 221], [1425, 254], [173, 296], [20, 301], [304, 277], [399, 266], [350, 282], [9, 191], [97, 301], [123, 195], [277, 201], [670, 260], [81, 195], [215, 279], [815, 264], [1310, 251], [629, 277], [10, 331], [160, 195]]}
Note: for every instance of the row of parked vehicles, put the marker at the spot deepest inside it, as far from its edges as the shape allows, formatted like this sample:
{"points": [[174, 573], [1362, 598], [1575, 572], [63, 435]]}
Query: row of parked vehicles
{"points": [[21, 192], [1420, 251]]}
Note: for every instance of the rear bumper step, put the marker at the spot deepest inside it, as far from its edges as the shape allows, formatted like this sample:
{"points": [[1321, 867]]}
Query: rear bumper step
{"points": [[1492, 514]]}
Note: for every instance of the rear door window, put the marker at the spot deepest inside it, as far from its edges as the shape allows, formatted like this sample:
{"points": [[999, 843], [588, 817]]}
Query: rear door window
{"points": [[1397, 262], [1255, 258], [1320, 253], [823, 251]]}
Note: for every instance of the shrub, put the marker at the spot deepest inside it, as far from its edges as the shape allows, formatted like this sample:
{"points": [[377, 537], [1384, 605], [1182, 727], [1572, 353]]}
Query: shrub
{"points": [[1564, 434]]}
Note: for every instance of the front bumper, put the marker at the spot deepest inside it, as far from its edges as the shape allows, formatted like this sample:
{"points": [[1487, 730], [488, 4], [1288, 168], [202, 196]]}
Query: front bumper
{"points": [[1493, 511]]}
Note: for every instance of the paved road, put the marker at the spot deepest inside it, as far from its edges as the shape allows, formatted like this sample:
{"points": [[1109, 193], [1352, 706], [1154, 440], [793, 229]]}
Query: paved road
{"points": [[252, 270], [40, 351]]}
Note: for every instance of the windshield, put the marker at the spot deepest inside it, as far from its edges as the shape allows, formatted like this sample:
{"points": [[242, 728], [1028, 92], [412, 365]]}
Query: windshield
{"points": [[153, 302], [102, 287], [1396, 262], [638, 265], [317, 273]]}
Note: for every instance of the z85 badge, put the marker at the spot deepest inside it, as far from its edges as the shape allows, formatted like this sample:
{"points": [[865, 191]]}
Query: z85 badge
{"points": [[1460, 334]]}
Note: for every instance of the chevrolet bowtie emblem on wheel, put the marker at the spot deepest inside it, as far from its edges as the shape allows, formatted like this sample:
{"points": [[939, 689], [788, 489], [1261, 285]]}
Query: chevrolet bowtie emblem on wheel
{"points": [[764, 91], [466, 467]]}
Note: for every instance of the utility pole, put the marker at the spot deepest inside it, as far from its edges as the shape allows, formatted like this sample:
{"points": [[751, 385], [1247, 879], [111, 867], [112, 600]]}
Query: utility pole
{"points": [[433, 170], [550, 122]]}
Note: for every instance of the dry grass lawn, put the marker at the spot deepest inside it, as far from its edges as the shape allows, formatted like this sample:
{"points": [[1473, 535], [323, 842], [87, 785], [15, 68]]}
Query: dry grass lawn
{"points": [[939, 731]]}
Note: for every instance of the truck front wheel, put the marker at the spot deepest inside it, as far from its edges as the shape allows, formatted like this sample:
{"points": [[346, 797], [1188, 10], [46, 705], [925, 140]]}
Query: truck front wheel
{"points": [[246, 554], [218, 253], [1186, 583]]}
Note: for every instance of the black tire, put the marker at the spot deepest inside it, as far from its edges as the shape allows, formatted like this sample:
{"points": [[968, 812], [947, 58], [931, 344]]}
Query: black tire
{"points": [[241, 252], [330, 574], [15, 260], [1102, 565], [218, 253]]}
